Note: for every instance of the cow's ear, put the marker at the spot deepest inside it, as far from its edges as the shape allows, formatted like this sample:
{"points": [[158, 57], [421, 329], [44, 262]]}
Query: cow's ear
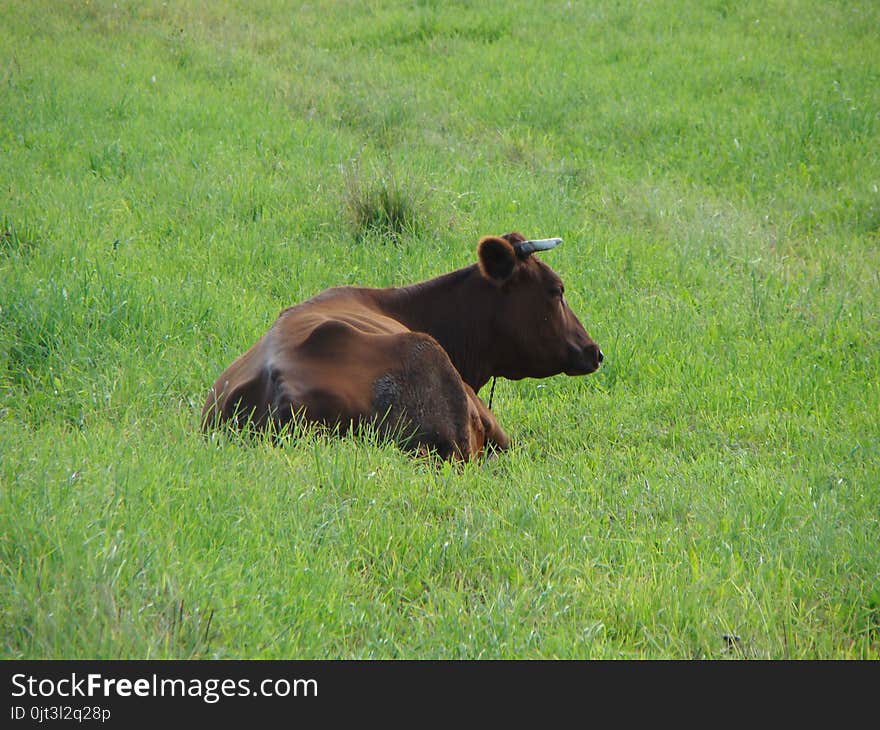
{"points": [[496, 257]]}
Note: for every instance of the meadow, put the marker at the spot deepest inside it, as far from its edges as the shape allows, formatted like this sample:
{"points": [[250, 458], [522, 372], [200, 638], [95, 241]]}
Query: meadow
{"points": [[172, 175]]}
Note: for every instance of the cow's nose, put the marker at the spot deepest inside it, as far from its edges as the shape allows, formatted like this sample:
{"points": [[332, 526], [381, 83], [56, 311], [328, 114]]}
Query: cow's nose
{"points": [[592, 356]]}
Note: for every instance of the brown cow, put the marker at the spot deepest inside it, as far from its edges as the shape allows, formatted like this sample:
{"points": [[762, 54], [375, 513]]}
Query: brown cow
{"points": [[411, 359]]}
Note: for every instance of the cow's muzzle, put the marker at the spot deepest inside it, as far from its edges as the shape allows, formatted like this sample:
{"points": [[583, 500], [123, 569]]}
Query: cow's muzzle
{"points": [[585, 360]]}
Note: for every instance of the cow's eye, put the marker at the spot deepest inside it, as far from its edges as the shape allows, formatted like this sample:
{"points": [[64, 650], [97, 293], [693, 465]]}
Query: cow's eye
{"points": [[557, 292]]}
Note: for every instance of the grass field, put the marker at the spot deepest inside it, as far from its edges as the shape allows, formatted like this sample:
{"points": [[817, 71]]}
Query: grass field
{"points": [[173, 175]]}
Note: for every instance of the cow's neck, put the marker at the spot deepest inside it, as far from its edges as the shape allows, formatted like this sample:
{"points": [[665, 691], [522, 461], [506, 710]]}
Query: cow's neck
{"points": [[450, 308]]}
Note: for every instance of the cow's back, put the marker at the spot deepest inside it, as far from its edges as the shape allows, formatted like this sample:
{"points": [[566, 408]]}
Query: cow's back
{"points": [[338, 359], [288, 358]]}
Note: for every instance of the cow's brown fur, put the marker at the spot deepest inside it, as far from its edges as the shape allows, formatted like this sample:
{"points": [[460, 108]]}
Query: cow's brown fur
{"points": [[411, 359]]}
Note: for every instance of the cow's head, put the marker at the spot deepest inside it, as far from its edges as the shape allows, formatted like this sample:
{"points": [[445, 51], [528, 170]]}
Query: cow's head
{"points": [[536, 333]]}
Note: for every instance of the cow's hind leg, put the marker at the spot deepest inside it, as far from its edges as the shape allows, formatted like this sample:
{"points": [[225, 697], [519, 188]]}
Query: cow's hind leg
{"points": [[495, 437], [423, 403]]}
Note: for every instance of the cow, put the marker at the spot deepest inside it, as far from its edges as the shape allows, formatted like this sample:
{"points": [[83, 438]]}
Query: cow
{"points": [[410, 360]]}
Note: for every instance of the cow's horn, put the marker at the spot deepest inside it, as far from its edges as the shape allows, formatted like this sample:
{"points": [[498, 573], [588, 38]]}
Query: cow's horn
{"points": [[526, 248]]}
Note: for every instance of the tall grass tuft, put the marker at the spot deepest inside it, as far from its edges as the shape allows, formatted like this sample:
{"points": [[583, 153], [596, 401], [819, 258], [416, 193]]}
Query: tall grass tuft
{"points": [[382, 204]]}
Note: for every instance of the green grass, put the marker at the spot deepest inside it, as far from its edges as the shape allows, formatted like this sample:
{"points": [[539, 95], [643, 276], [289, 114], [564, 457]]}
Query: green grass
{"points": [[171, 176]]}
